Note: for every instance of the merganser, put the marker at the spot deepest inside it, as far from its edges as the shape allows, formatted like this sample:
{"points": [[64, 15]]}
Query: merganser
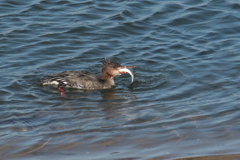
{"points": [[85, 80]]}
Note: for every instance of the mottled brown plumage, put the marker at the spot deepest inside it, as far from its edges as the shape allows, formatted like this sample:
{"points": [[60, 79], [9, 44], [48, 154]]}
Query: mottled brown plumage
{"points": [[86, 80]]}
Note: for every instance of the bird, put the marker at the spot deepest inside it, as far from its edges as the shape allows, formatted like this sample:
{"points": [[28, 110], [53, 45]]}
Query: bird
{"points": [[85, 80]]}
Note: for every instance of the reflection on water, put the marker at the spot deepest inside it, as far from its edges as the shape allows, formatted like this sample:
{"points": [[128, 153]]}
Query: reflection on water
{"points": [[184, 103]]}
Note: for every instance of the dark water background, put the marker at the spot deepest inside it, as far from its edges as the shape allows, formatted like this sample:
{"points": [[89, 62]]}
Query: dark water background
{"points": [[185, 101]]}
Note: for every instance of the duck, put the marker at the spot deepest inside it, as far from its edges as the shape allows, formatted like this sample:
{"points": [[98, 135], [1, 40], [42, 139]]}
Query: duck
{"points": [[85, 80]]}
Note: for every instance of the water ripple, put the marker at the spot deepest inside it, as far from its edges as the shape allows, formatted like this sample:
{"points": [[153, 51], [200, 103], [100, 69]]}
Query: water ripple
{"points": [[186, 81]]}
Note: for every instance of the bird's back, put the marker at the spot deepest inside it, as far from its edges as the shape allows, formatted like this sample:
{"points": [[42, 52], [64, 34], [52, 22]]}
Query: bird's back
{"points": [[74, 79]]}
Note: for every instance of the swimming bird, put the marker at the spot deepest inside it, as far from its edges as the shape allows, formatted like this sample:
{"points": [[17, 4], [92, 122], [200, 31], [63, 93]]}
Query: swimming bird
{"points": [[85, 80]]}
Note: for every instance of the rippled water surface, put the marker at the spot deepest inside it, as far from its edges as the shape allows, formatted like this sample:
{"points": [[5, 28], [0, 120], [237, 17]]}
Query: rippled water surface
{"points": [[184, 102]]}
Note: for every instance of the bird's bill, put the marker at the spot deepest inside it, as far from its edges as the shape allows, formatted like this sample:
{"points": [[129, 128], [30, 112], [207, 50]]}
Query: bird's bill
{"points": [[125, 70], [130, 66]]}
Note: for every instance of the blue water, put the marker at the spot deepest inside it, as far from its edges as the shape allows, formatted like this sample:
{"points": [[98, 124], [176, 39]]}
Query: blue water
{"points": [[184, 102]]}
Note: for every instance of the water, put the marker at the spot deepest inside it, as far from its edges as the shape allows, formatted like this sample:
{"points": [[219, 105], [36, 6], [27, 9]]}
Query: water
{"points": [[184, 102]]}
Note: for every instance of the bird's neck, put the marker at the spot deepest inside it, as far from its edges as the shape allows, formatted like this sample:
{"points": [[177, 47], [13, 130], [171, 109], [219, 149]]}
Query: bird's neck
{"points": [[107, 78]]}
